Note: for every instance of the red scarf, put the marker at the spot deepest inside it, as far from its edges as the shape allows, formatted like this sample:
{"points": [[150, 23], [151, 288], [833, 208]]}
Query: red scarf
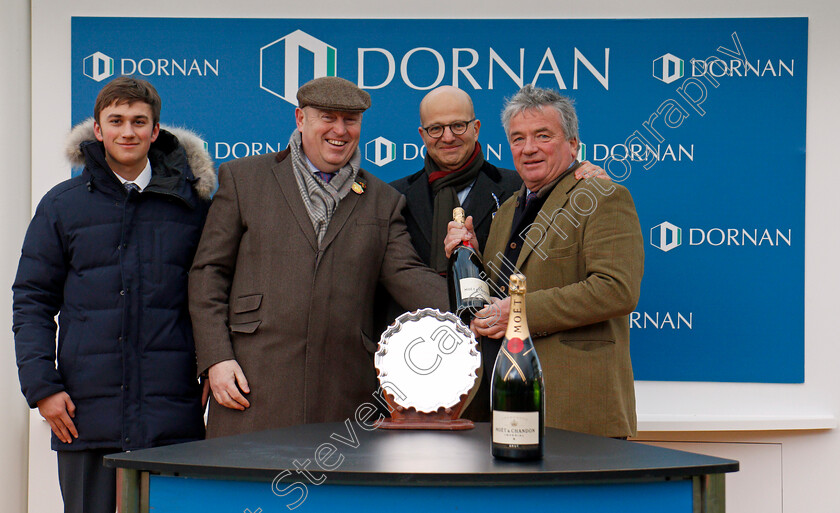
{"points": [[440, 174]]}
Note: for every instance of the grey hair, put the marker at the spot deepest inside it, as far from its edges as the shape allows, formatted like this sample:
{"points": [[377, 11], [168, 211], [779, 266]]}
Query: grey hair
{"points": [[530, 97]]}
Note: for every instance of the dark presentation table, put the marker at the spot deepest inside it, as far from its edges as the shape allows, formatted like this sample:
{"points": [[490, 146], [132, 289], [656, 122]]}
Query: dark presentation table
{"points": [[344, 467]]}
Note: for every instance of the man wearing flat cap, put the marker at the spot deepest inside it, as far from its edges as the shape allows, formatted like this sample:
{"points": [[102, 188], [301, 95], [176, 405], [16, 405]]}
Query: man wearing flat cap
{"points": [[282, 285]]}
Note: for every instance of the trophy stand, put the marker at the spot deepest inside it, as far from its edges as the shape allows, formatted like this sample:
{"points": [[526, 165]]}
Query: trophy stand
{"points": [[426, 365], [445, 419]]}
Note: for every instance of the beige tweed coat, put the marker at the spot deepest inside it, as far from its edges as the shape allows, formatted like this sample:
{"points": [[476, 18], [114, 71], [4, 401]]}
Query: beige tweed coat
{"points": [[584, 269]]}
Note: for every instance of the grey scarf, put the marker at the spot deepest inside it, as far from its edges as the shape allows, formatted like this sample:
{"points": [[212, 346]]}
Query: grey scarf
{"points": [[319, 197]]}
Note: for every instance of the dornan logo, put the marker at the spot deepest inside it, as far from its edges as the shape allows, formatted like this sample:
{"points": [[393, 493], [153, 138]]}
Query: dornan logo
{"points": [[381, 151], [665, 236], [296, 58], [281, 66], [98, 66], [662, 320], [668, 68], [600, 152]]}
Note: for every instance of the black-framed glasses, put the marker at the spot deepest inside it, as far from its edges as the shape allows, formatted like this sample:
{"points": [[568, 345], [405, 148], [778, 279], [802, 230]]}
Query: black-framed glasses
{"points": [[457, 128]]}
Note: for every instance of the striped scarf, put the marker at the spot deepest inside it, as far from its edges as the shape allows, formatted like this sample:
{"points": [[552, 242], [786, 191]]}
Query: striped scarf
{"points": [[321, 198]]}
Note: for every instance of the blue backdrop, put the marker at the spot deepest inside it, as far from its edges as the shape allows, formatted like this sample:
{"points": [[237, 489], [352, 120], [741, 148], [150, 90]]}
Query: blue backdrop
{"points": [[702, 119]]}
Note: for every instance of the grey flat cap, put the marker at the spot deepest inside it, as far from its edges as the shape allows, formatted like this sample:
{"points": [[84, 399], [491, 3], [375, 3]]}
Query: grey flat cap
{"points": [[333, 93]]}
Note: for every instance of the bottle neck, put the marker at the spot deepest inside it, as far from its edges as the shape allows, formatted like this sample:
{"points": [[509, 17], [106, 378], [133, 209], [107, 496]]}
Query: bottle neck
{"points": [[517, 322], [466, 244]]}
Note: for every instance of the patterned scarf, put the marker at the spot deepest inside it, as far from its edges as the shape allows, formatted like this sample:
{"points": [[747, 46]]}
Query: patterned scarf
{"points": [[321, 198], [445, 187]]}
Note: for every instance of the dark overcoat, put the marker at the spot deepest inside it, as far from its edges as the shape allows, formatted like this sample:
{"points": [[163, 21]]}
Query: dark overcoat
{"points": [[491, 188], [115, 264], [298, 316]]}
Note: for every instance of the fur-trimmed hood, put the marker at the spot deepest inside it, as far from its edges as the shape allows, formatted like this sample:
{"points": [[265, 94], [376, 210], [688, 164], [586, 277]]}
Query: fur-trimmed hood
{"points": [[200, 162]]}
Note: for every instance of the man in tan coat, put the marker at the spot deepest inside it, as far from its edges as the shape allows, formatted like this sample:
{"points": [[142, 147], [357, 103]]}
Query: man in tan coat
{"points": [[580, 246], [281, 289]]}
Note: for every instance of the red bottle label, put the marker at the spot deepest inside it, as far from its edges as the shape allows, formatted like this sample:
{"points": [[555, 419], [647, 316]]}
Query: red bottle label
{"points": [[515, 345]]}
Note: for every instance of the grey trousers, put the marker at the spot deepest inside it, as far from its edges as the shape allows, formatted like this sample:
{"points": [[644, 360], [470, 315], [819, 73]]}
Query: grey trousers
{"points": [[87, 486]]}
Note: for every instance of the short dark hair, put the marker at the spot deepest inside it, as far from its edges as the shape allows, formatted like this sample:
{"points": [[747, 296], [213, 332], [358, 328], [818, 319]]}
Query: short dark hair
{"points": [[125, 89]]}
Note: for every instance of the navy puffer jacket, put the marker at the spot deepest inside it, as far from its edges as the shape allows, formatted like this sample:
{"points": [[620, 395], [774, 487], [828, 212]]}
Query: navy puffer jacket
{"points": [[114, 266]]}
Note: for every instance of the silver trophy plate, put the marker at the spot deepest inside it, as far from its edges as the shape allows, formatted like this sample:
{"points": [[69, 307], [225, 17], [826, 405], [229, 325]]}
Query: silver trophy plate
{"points": [[427, 360]]}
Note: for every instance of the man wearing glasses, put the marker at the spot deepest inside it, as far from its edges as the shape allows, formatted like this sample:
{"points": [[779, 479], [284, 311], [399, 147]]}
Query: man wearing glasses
{"points": [[455, 174]]}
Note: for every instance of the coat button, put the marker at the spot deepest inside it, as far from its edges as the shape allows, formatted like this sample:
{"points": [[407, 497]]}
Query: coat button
{"points": [[127, 440], [512, 245], [122, 292]]}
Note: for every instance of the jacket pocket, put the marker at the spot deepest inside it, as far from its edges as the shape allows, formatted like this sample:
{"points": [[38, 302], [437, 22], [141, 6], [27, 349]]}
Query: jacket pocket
{"points": [[241, 320], [244, 304], [562, 266], [377, 221], [590, 345], [245, 327], [563, 252], [68, 340], [369, 345], [157, 255]]}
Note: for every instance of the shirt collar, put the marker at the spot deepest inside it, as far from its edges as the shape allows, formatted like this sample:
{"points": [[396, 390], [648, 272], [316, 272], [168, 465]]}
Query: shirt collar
{"points": [[142, 180], [527, 190], [311, 166]]}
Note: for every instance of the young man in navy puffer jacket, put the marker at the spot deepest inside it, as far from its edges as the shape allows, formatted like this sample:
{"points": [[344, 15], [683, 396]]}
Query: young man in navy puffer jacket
{"points": [[109, 251]]}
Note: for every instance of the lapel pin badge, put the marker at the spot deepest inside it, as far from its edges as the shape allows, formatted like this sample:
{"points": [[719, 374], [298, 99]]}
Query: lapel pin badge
{"points": [[358, 187]]}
